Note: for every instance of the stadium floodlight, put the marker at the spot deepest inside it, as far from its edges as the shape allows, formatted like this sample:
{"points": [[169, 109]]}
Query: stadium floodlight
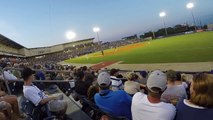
{"points": [[190, 6], [97, 30], [162, 15], [70, 35]]}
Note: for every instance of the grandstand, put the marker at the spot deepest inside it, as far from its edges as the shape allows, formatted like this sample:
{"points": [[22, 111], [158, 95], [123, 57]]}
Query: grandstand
{"points": [[158, 74]]}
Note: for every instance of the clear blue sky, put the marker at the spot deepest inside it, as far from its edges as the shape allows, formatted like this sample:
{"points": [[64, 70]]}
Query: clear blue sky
{"points": [[34, 23]]}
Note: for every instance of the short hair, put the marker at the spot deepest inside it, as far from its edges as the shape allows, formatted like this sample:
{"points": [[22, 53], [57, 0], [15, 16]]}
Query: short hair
{"points": [[203, 90], [178, 76], [80, 75], [155, 92], [113, 71], [171, 75], [26, 73]]}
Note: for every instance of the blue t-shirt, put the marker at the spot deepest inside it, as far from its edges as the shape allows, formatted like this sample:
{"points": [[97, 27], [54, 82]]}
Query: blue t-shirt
{"points": [[116, 103], [186, 112]]}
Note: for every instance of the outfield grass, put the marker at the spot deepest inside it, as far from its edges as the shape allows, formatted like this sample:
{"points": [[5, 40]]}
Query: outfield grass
{"points": [[196, 47]]}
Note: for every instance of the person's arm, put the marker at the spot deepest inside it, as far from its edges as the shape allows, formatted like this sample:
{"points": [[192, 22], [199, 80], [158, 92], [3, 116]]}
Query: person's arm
{"points": [[46, 100]]}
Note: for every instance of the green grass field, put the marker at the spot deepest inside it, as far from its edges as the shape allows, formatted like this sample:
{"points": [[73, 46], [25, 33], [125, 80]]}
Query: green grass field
{"points": [[196, 47]]}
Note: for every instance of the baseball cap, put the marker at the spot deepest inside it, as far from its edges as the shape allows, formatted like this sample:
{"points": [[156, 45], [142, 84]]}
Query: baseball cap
{"points": [[157, 79], [104, 78]]}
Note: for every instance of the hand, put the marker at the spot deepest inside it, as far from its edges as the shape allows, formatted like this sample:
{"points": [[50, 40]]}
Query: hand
{"points": [[2, 93]]}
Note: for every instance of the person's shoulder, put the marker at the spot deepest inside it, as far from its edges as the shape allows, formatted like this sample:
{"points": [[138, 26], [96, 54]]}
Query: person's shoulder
{"points": [[119, 92], [169, 107], [138, 95]]}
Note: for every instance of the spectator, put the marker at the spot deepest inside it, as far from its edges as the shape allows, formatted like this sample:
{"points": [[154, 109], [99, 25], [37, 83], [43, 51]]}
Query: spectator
{"points": [[174, 92], [5, 110], [180, 82], [116, 103], [16, 73], [130, 86], [39, 74], [117, 84], [93, 89], [200, 105], [12, 100], [37, 97], [150, 107], [80, 84]]}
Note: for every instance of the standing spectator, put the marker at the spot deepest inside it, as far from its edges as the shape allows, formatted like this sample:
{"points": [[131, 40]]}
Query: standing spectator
{"points": [[174, 92], [130, 86], [200, 105], [116, 103], [117, 84], [150, 107]]}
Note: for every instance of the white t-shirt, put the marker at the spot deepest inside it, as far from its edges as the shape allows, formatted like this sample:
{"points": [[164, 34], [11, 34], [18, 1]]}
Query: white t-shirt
{"points": [[33, 94], [9, 76], [142, 109], [131, 87]]}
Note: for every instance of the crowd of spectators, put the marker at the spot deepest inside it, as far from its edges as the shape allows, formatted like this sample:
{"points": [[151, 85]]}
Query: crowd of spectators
{"points": [[144, 96], [79, 50]]}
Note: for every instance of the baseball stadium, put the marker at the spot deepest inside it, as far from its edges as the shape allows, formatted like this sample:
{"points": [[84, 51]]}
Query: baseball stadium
{"points": [[106, 60]]}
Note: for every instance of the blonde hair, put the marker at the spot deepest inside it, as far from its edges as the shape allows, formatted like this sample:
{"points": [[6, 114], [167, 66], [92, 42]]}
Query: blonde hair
{"points": [[203, 90]]}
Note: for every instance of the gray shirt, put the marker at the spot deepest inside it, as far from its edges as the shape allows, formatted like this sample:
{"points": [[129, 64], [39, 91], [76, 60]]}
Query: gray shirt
{"points": [[174, 94]]}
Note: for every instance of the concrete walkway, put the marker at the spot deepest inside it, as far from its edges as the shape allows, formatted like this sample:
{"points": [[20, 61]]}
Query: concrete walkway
{"points": [[191, 67]]}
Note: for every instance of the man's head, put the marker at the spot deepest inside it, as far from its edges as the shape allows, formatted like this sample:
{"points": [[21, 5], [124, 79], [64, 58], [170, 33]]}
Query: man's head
{"points": [[104, 80], [171, 75], [130, 76], [114, 72], [27, 75], [156, 83]]}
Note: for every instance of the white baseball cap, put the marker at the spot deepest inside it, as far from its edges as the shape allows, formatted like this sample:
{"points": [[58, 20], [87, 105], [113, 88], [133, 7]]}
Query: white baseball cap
{"points": [[157, 79], [104, 78]]}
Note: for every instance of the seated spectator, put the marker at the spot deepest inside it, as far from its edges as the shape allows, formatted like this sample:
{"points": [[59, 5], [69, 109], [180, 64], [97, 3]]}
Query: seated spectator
{"points": [[12, 100], [37, 97], [174, 92], [180, 81], [200, 105], [79, 84], [150, 107], [130, 86], [16, 73], [117, 84], [39, 74], [93, 89], [116, 103], [5, 110]]}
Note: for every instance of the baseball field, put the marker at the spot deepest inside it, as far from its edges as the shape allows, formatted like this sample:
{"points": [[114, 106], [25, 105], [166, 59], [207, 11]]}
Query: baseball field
{"points": [[197, 47]]}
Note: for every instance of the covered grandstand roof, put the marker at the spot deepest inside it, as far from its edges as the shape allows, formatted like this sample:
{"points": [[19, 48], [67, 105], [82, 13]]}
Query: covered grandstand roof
{"points": [[6, 41]]}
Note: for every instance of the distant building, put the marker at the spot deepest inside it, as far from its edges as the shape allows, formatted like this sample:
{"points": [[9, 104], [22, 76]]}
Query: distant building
{"points": [[210, 26], [130, 37]]}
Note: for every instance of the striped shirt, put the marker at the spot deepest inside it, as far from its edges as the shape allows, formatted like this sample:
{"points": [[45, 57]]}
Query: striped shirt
{"points": [[117, 84]]}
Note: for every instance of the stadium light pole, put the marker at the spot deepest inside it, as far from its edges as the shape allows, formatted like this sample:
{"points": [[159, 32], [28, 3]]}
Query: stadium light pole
{"points": [[190, 6], [162, 15], [97, 30]]}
